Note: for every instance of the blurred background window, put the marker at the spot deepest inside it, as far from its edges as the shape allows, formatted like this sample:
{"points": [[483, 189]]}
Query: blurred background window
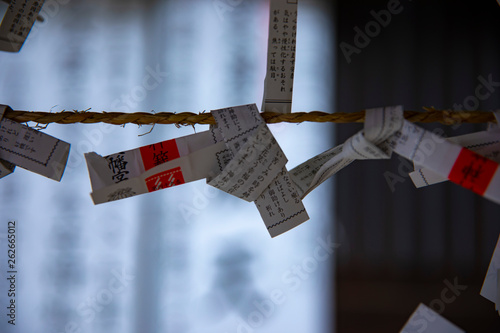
{"points": [[185, 259]]}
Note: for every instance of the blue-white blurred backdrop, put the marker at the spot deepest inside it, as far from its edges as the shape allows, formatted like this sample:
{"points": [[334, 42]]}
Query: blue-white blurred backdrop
{"points": [[184, 259]]}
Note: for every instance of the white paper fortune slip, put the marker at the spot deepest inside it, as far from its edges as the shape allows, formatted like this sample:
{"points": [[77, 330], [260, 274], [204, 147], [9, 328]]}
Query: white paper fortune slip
{"points": [[368, 144], [444, 158], [17, 23], [155, 167], [425, 320], [490, 288], [278, 85], [240, 157], [31, 149], [257, 169], [485, 143]]}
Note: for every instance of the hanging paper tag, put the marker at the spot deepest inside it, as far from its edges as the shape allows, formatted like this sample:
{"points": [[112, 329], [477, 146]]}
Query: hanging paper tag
{"points": [[444, 158], [486, 143], [17, 23], [278, 85], [425, 320], [261, 174], [489, 290], [154, 167], [32, 149], [368, 144]]}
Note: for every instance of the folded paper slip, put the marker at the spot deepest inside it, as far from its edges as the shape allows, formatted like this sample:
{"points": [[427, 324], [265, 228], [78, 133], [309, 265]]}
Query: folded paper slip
{"points": [[154, 167], [485, 143], [371, 143], [446, 159], [262, 174], [386, 131], [17, 23], [31, 149]]}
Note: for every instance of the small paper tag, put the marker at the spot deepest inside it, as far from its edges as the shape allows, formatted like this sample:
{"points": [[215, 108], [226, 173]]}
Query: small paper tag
{"points": [[154, 167], [32, 149], [278, 85], [253, 167], [367, 144], [425, 320], [17, 23], [278, 201], [485, 143], [447, 159]]}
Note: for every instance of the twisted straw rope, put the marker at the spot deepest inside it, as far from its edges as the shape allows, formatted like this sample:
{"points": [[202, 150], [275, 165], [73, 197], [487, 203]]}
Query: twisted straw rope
{"points": [[187, 118]]}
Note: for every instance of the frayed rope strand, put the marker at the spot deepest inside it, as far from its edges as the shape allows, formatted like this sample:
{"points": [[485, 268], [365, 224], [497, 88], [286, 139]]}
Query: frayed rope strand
{"points": [[430, 115]]}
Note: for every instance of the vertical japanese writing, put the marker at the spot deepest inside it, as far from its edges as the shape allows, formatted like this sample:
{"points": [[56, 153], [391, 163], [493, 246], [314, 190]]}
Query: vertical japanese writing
{"points": [[18, 21], [282, 61], [281, 56], [118, 167]]}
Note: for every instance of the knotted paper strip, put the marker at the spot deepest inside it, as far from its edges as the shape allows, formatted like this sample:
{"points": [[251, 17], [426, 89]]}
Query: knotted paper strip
{"points": [[368, 144], [385, 131], [17, 23], [425, 320], [31, 149], [257, 169], [278, 85]]}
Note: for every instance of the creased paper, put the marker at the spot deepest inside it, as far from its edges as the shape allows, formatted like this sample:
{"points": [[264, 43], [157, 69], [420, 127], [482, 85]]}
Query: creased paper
{"points": [[485, 143], [425, 320], [385, 131], [489, 290], [459, 165], [278, 201], [17, 23], [32, 149], [368, 144], [154, 167], [278, 85]]}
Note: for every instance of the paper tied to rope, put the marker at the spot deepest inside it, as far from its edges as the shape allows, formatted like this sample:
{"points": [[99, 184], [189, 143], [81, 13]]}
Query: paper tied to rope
{"points": [[256, 171], [448, 160], [278, 84], [442, 157], [491, 285], [426, 320], [240, 157], [30, 149], [485, 143], [370, 143], [154, 167], [17, 23]]}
